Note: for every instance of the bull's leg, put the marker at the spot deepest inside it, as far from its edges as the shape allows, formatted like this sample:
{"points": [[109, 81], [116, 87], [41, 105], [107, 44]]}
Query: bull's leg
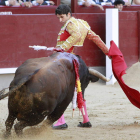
{"points": [[86, 122], [19, 127], [60, 108], [9, 123]]}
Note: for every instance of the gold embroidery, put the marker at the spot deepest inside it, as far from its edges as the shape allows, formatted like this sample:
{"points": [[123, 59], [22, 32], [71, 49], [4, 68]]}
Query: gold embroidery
{"points": [[77, 31], [59, 43]]}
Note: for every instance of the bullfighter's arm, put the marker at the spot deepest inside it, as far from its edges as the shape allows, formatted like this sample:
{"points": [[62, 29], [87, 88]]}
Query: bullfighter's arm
{"points": [[74, 37], [97, 40]]}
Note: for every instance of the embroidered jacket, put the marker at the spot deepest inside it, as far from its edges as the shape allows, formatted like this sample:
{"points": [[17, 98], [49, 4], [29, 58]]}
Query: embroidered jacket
{"points": [[74, 32]]}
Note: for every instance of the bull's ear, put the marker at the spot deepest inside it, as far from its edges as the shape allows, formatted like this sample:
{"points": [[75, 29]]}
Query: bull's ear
{"points": [[93, 78]]}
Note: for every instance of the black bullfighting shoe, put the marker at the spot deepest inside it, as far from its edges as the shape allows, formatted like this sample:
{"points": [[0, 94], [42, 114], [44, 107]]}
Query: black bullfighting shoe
{"points": [[63, 126], [88, 124]]}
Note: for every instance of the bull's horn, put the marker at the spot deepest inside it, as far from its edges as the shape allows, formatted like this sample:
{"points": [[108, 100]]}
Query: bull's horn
{"points": [[98, 74]]}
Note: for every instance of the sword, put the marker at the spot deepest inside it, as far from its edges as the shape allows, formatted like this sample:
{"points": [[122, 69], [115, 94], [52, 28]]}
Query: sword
{"points": [[37, 47]]}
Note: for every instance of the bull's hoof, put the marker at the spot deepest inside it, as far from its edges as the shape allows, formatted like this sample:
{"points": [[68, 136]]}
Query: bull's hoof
{"points": [[63, 126], [88, 124]]}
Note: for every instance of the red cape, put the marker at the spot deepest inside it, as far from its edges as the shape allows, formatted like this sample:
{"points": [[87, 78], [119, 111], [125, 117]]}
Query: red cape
{"points": [[119, 66]]}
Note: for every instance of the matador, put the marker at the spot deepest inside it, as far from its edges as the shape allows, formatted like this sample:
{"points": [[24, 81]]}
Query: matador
{"points": [[72, 34]]}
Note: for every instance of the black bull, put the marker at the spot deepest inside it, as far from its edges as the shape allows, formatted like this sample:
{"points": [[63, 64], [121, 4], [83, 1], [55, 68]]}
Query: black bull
{"points": [[43, 87]]}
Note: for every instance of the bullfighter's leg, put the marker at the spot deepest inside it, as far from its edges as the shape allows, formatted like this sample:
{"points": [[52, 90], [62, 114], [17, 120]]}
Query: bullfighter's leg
{"points": [[19, 127], [86, 122], [60, 117], [61, 124], [58, 113], [9, 123]]}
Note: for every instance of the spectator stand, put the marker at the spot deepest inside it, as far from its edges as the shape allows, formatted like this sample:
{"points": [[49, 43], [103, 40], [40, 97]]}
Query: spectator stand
{"points": [[93, 9], [43, 9]]}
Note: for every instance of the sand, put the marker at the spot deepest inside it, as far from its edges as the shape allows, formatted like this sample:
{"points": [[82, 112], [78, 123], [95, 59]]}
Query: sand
{"points": [[112, 115]]}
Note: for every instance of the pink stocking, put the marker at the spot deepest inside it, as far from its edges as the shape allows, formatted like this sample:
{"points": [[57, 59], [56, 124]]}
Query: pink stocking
{"points": [[60, 121], [85, 115]]}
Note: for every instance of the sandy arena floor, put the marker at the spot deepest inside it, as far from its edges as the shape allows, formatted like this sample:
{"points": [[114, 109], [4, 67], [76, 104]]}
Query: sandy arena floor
{"points": [[112, 115]]}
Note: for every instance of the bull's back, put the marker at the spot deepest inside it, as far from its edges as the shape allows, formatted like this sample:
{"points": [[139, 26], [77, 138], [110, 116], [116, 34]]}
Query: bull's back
{"points": [[54, 76], [50, 85]]}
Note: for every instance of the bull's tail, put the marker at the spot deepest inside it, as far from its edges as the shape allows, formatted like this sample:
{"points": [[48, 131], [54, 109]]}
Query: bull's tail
{"points": [[20, 83]]}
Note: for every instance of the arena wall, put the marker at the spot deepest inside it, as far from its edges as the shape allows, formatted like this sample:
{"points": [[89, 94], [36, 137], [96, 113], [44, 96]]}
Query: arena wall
{"points": [[33, 10], [18, 32]]}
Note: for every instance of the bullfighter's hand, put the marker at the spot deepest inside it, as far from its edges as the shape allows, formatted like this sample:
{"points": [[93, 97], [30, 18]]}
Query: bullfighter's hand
{"points": [[58, 48], [109, 57]]}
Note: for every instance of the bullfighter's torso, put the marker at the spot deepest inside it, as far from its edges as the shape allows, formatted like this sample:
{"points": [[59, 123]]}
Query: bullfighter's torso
{"points": [[73, 33]]}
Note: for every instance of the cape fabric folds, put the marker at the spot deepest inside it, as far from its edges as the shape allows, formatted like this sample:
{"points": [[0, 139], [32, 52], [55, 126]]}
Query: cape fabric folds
{"points": [[119, 66]]}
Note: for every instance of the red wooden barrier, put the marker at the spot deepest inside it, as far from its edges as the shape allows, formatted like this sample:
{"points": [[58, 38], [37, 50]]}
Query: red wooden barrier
{"points": [[129, 36], [132, 8], [94, 9], [44, 9], [139, 32], [18, 32]]}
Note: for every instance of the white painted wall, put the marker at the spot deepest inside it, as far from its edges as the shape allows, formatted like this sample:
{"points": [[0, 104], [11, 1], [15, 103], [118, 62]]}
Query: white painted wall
{"points": [[112, 33], [6, 76], [5, 80]]}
